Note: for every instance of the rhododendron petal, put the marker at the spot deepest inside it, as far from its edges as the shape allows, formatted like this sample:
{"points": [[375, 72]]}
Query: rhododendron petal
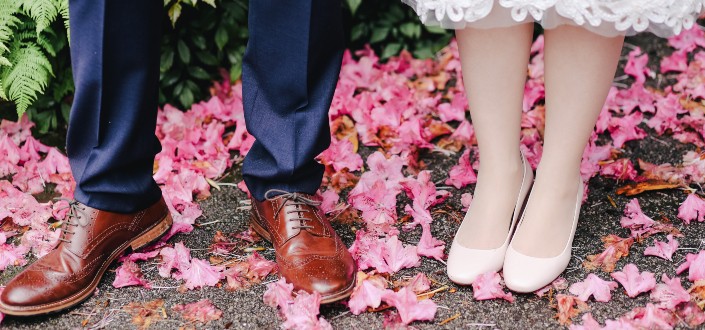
{"points": [[140, 256], [465, 200], [653, 317], [409, 307], [621, 169], [298, 313], [695, 264], [129, 274], [12, 256], [259, 267], [625, 129], [419, 283], [398, 256], [633, 281], [637, 65], [465, 133], [303, 313], [688, 39], [691, 315], [593, 286], [589, 323], [662, 249], [568, 307], [278, 293], [178, 257], [676, 62], [429, 246], [462, 174], [202, 311], [329, 201], [201, 273], [635, 219], [615, 248], [366, 294], [489, 286], [693, 208], [670, 293], [557, 284], [378, 206], [341, 155]]}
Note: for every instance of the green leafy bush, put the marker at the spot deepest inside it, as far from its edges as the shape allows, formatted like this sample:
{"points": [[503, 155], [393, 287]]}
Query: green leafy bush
{"points": [[390, 26], [30, 43], [204, 40]]}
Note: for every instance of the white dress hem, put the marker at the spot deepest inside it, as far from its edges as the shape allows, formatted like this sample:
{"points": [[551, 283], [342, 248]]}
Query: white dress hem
{"points": [[605, 17]]}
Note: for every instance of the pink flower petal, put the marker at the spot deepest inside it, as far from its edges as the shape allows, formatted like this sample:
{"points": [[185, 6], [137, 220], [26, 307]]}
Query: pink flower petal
{"points": [[593, 286], [695, 263], [489, 286], [670, 293], [635, 220], [129, 274], [662, 249], [341, 155], [200, 273], [366, 294], [633, 281], [409, 307], [178, 257], [693, 208], [202, 311], [462, 174]]}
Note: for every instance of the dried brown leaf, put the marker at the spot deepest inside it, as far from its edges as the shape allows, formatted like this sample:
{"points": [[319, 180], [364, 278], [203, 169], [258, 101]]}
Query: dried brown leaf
{"points": [[636, 188]]}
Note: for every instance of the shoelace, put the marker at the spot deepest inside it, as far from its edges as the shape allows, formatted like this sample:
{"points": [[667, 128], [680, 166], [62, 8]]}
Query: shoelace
{"points": [[297, 200], [73, 214]]}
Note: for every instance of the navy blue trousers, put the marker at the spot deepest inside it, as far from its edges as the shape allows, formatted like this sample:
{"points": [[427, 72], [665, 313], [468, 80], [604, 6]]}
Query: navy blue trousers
{"points": [[290, 71]]}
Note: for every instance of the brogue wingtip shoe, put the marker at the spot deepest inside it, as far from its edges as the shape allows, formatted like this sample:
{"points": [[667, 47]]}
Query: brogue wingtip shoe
{"points": [[309, 253], [90, 241]]}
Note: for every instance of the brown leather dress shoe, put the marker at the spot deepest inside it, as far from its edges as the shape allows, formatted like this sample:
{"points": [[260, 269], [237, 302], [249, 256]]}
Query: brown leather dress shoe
{"points": [[309, 253], [91, 239]]}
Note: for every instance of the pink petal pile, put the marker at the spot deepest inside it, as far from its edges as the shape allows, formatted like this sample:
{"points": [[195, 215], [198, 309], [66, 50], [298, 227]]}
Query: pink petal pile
{"points": [[404, 115]]}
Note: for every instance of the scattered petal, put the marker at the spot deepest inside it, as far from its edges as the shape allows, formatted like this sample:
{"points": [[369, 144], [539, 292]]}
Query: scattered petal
{"points": [[633, 281], [490, 286], [202, 311], [593, 286]]}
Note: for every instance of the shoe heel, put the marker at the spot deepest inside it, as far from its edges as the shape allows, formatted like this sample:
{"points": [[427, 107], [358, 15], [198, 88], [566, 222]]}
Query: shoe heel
{"points": [[258, 228], [153, 234]]}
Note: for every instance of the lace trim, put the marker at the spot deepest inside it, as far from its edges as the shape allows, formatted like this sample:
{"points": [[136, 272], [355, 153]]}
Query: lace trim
{"points": [[626, 15]]}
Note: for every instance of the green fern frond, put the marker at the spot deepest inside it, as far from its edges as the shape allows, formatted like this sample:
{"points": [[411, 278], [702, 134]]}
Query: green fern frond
{"points": [[28, 77], [8, 21], [45, 42], [63, 7], [2, 91], [44, 12], [25, 34]]}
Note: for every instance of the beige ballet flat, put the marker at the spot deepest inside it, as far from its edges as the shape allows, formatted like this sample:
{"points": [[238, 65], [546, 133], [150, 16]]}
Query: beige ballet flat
{"points": [[524, 273], [465, 264]]}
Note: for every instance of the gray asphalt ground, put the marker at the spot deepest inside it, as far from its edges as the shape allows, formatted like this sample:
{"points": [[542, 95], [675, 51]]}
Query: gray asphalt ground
{"points": [[245, 310]]}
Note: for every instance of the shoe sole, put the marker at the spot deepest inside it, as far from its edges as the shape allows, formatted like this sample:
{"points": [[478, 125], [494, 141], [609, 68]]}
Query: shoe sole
{"points": [[149, 236], [327, 299]]}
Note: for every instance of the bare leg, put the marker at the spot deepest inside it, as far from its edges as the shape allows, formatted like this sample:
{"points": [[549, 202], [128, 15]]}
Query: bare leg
{"points": [[494, 72], [580, 67]]}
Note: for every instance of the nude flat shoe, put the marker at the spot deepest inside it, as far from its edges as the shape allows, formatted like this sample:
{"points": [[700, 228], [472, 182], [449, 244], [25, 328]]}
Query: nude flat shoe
{"points": [[523, 273], [465, 264]]}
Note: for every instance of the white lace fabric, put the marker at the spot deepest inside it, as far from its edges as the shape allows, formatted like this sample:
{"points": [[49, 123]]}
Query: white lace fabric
{"points": [[607, 17]]}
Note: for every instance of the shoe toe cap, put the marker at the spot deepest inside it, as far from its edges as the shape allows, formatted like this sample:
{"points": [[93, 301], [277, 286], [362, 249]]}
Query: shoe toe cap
{"points": [[330, 277], [464, 264], [19, 296], [526, 274]]}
